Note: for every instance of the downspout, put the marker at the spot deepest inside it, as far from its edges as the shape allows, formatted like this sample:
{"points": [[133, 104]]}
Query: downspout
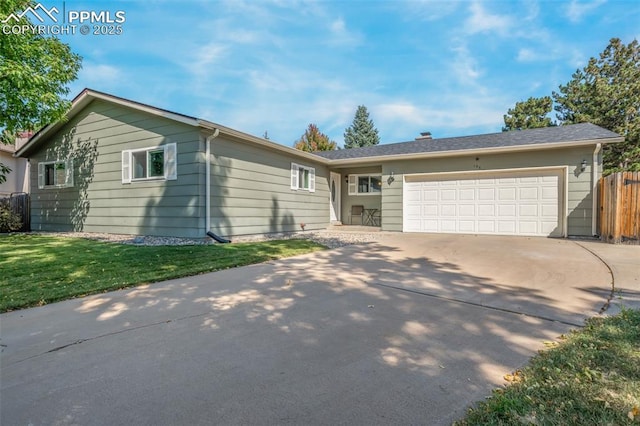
{"points": [[207, 203], [595, 177]]}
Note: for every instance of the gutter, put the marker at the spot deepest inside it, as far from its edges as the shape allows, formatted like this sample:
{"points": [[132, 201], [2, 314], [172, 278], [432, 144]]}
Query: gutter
{"points": [[595, 177]]}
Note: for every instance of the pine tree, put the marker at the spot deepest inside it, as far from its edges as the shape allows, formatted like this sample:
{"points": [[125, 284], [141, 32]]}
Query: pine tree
{"points": [[529, 114], [314, 140], [606, 92], [362, 132]]}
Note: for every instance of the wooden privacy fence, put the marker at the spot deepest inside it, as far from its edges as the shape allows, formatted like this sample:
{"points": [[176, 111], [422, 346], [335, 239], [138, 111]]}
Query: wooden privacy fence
{"points": [[20, 204], [620, 208]]}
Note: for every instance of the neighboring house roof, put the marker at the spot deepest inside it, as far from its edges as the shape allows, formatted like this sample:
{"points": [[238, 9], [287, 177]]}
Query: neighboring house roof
{"points": [[531, 139], [548, 137]]}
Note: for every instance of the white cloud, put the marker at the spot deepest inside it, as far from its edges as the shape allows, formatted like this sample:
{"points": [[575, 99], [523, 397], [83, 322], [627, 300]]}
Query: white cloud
{"points": [[206, 56], [464, 65], [527, 55], [482, 21], [428, 10], [99, 76], [341, 36], [576, 9]]}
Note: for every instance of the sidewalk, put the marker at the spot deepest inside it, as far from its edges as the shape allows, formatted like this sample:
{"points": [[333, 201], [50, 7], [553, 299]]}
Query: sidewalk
{"points": [[624, 263]]}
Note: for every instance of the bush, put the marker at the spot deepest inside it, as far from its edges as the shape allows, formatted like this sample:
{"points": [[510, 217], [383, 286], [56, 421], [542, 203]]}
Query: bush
{"points": [[9, 221]]}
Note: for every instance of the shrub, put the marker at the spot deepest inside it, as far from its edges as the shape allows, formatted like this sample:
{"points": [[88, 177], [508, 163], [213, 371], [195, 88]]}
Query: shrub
{"points": [[9, 221]]}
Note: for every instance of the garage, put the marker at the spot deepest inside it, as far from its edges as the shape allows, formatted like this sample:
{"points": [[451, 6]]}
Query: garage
{"points": [[515, 202]]}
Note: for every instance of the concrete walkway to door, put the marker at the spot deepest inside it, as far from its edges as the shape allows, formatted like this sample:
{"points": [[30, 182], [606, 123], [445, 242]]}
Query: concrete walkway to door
{"points": [[410, 329]]}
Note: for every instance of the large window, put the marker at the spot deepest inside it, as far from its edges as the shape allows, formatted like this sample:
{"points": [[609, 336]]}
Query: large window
{"points": [[303, 177], [55, 174], [149, 163], [365, 184]]}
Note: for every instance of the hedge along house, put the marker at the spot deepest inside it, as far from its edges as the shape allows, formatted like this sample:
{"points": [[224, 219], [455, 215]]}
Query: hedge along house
{"points": [[119, 166]]}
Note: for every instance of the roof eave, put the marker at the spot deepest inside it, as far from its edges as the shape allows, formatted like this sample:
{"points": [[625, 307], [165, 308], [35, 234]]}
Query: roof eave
{"points": [[263, 142], [87, 96], [478, 151]]}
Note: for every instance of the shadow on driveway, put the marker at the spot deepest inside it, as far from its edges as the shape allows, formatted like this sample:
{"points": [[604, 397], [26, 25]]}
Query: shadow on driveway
{"points": [[407, 330]]}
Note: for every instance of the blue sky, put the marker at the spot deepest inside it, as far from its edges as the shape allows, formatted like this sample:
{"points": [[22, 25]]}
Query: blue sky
{"points": [[451, 67]]}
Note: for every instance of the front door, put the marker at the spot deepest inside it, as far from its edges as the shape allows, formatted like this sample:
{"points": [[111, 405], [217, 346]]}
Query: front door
{"points": [[334, 196]]}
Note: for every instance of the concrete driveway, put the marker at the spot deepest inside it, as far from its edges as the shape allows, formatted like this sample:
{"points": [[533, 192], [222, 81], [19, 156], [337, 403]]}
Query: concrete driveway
{"points": [[410, 329]]}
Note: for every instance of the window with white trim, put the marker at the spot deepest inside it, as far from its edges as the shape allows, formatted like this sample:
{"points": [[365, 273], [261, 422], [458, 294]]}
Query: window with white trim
{"points": [[149, 164], [55, 174], [365, 184], [303, 177]]}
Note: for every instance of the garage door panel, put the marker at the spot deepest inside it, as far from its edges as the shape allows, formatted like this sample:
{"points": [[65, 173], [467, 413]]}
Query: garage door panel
{"points": [[528, 227], [549, 193], [468, 210], [488, 194], [486, 210], [507, 210], [466, 226], [528, 210], [415, 210], [507, 194], [507, 226], [486, 226], [430, 195], [549, 211], [513, 203], [429, 210], [448, 226], [448, 210], [467, 194], [412, 195], [529, 193]]}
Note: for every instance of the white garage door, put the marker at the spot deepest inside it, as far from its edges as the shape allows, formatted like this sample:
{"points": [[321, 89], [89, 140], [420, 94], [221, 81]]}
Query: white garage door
{"points": [[506, 203]]}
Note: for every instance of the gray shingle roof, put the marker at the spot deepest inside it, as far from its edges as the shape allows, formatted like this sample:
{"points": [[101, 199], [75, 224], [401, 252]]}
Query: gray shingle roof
{"points": [[542, 136]]}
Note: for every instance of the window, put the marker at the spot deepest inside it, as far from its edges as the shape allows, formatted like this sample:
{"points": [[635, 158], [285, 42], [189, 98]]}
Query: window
{"points": [[303, 177], [55, 174], [149, 163], [365, 184]]}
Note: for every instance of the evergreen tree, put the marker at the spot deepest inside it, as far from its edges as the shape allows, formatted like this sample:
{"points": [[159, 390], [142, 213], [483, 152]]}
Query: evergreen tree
{"points": [[606, 92], [314, 140], [362, 132], [530, 114]]}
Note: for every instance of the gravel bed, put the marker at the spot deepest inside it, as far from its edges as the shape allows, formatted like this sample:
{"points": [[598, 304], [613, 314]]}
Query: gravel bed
{"points": [[328, 238]]}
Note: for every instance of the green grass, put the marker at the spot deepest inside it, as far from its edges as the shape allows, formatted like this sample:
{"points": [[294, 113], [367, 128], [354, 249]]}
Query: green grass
{"points": [[37, 269], [592, 377]]}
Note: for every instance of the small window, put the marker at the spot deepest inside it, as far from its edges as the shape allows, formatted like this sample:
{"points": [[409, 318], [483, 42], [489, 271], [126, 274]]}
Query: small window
{"points": [[55, 174], [149, 163], [303, 177], [365, 184]]}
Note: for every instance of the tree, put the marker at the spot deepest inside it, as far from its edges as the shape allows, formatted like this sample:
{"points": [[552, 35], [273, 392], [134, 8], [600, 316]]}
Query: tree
{"points": [[606, 92], [35, 71], [362, 132], [314, 140], [530, 114]]}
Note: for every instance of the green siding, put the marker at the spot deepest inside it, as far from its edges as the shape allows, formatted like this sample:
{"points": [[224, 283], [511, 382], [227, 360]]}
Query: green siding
{"points": [[579, 186], [251, 191], [99, 201]]}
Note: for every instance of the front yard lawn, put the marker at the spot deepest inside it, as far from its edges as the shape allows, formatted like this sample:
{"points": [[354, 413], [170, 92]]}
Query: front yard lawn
{"points": [[39, 269], [592, 377]]}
